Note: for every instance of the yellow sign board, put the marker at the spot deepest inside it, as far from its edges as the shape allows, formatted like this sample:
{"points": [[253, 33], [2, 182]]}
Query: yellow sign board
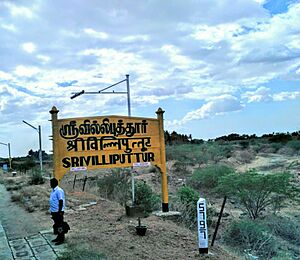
{"points": [[108, 142]]}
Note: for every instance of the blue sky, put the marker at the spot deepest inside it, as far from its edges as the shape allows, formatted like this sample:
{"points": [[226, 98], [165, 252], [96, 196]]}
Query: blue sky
{"points": [[215, 66]]}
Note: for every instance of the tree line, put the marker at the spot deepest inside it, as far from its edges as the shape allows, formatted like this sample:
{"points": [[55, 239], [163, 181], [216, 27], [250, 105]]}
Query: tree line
{"points": [[172, 138]]}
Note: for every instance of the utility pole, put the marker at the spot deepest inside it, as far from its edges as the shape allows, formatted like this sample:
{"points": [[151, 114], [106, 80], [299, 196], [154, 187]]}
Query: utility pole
{"points": [[38, 129], [9, 155], [103, 91]]}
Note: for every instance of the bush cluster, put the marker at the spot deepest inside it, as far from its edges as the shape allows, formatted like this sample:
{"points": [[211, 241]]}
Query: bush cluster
{"points": [[256, 192], [115, 186], [36, 178], [209, 176], [187, 205], [251, 238], [284, 227], [145, 198]]}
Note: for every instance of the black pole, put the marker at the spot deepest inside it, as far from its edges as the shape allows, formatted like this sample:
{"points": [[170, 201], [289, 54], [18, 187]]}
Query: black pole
{"points": [[219, 220], [84, 181], [74, 182]]}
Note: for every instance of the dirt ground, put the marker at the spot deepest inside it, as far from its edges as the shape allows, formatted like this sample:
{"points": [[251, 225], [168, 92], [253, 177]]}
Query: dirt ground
{"points": [[106, 229], [103, 227], [16, 221]]}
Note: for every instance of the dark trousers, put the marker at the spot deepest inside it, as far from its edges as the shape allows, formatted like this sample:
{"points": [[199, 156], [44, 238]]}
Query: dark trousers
{"points": [[58, 219]]}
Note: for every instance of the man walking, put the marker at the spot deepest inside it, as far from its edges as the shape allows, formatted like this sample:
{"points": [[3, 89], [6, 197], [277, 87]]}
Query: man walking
{"points": [[57, 207]]}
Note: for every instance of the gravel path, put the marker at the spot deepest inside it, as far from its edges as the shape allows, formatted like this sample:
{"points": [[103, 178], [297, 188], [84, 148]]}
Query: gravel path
{"points": [[15, 220]]}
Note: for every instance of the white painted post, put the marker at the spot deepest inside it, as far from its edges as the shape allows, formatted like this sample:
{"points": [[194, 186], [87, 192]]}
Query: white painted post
{"points": [[202, 226]]}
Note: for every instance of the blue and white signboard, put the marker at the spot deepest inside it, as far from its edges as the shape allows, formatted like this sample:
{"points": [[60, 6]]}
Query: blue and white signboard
{"points": [[202, 226], [5, 168]]}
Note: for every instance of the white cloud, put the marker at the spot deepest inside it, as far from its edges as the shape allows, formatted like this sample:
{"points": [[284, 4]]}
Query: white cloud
{"points": [[135, 38], [282, 96], [9, 27], [115, 64], [26, 71], [261, 2], [176, 58], [294, 42], [214, 34], [29, 47], [217, 106], [99, 35], [43, 58], [20, 11], [262, 94], [5, 76]]}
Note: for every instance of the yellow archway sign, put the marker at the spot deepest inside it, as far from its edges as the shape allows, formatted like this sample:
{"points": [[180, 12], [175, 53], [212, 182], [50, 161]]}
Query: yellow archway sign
{"points": [[109, 142]]}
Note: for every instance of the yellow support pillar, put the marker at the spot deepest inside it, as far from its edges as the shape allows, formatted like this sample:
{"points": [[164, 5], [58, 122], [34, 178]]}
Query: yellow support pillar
{"points": [[163, 168], [55, 148]]}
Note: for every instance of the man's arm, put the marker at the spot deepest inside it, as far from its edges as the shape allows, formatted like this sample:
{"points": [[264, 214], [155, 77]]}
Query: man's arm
{"points": [[60, 205]]}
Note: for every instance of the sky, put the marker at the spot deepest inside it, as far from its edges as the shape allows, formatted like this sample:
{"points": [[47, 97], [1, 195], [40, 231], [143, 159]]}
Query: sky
{"points": [[215, 66]]}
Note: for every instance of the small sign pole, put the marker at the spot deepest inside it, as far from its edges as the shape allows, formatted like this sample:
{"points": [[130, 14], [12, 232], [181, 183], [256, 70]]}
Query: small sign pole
{"points": [[202, 226], [74, 182], [219, 220], [84, 182]]}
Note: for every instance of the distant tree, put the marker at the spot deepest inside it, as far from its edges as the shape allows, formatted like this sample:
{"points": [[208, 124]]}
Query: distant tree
{"points": [[280, 138], [167, 138], [233, 137], [214, 153], [30, 153], [244, 144], [253, 136], [26, 165], [174, 137], [256, 192], [35, 155], [197, 141]]}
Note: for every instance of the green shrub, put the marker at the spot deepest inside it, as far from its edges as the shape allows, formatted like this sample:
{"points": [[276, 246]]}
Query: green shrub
{"points": [[294, 144], [244, 144], [284, 227], [36, 178], [186, 204], [188, 195], [179, 152], [81, 252], [276, 146], [16, 197], [145, 198], [115, 186], [256, 192], [26, 165], [181, 167], [198, 154], [189, 154], [209, 176], [244, 156], [258, 147], [251, 237]]}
